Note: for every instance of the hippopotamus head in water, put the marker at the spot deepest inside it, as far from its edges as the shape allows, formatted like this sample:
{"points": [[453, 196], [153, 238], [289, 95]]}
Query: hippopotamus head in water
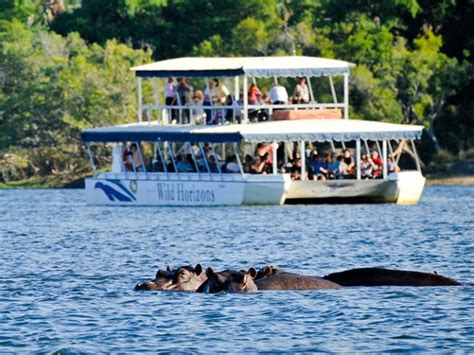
{"points": [[271, 278], [184, 278], [229, 281]]}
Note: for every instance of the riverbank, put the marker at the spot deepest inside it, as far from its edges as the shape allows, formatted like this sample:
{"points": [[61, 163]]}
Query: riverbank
{"points": [[450, 180]]}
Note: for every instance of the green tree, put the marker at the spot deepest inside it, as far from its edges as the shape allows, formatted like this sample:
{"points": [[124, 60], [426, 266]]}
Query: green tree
{"points": [[426, 77], [52, 87]]}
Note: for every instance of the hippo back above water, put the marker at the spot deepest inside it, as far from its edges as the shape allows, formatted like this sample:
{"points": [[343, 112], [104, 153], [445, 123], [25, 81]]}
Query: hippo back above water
{"points": [[270, 278], [387, 277]]}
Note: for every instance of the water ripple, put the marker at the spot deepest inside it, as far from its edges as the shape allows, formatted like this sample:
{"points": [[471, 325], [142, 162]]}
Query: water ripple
{"points": [[67, 273]]}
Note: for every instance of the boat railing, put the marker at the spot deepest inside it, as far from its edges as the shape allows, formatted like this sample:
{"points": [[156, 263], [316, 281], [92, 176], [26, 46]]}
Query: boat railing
{"points": [[222, 114]]}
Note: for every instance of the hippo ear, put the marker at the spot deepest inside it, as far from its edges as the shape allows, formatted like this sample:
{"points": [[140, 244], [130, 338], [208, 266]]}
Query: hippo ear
{"points": [[198, 269], [209, 272], [168, 268], [252, 272], [160, 273]]}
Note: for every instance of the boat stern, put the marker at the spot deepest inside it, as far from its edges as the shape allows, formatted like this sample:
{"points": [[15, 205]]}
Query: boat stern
{"points": [[410, 186]]}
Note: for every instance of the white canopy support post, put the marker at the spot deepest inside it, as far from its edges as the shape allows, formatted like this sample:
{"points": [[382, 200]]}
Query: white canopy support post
{"points": [[156, 97], [236, 97], [333, 90], [237, 155], [155, 151], [91, 157], [343, 145], [308, 82], [417, 158], [204, 157], [196, 165], [216, 158], [384, 159], [275, 80], [358, 158], [346, 96], [333, 147], [139, 91], [180, 105], [366, 145], [236, 88], [285, 152], [170, 151], [390, 149], [246, 100], [274, 158], [149, 117], [141, 155], [162, 158], [303, 160], [378, 148]]}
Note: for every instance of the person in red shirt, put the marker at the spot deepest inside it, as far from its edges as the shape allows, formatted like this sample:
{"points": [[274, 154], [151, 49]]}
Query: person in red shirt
{"points": [[377, 163]]}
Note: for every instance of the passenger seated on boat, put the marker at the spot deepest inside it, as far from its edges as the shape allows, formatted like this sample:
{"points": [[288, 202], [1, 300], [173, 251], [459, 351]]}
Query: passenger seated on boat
{"points": [[127, 163], [230, 165], [301, 92], [392, 167], [342, 169], [135, 159], [257, 166], [366, 167], [278, 95], [377, 164], [262, 149], [197, 112], [248, 160], [184, 164], [296, 170], [332, 167], [211, 161], [170, 166], [350, 169], [317, 167]]}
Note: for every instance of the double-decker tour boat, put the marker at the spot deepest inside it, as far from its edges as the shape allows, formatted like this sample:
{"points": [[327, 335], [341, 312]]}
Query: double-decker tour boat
{"points": [[241, 146]]}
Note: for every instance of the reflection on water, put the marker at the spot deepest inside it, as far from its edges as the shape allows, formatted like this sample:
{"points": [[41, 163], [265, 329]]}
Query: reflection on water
{"points": [[67, 273]]}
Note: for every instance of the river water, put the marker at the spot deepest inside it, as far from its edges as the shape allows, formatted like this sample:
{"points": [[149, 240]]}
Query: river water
{"points": [[67, 273]]}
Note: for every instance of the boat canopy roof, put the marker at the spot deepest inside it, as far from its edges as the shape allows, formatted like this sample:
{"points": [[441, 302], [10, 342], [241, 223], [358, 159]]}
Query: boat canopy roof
{"points": [[259, 67], [309, 130]]}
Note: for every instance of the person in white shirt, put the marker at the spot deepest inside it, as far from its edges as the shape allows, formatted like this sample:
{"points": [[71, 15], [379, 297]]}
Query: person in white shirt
{"points": [[231, 165], [170, 93], [278, 95]]}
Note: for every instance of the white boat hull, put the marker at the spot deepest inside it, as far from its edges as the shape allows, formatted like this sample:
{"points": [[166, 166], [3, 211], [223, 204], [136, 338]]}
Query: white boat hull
{"points": [[405, 187], [161, 189], [191, 189]]}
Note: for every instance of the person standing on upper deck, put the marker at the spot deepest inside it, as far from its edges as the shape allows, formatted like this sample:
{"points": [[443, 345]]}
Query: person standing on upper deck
{"points": [[278, 95], [301, 93], [170, 93], [184, 91]]}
